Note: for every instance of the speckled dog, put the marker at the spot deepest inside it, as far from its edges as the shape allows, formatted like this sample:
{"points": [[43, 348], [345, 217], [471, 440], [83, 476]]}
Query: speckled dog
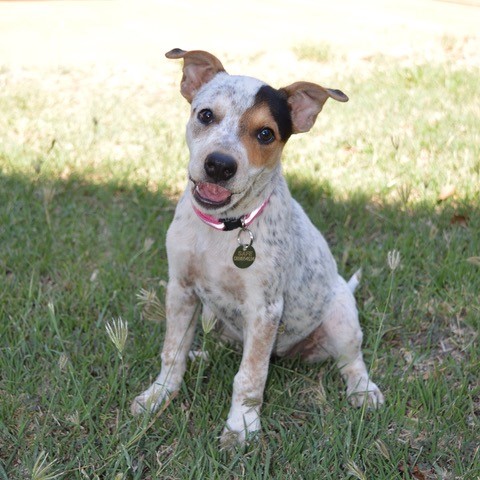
{"points": [[241, 246]]}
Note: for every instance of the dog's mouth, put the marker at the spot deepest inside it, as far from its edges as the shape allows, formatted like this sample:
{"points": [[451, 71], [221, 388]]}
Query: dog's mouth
{"points": [[211, 195]]}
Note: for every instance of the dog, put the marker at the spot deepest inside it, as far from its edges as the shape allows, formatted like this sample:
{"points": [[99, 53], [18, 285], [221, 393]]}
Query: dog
{"points": [[243, 248]]}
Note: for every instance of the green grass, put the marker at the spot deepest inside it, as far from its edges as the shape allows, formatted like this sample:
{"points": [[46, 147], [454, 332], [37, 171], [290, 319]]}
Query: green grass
{"points": [[90, 168]]}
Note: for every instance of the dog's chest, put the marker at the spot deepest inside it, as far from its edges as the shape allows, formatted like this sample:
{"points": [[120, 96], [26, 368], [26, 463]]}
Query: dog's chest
{"points": [[219, 283], [202, 258], [292, 265]]}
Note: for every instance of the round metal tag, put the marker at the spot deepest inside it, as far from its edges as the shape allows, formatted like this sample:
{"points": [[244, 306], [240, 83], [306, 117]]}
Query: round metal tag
{"points": [[243, 257]]}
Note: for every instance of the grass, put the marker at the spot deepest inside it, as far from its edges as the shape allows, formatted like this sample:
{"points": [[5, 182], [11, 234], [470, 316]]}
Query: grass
{"points": [[315, 52], [90, 167]]}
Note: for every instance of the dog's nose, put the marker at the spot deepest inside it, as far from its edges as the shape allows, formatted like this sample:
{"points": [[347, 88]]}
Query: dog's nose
{"points": [[220, 166]]}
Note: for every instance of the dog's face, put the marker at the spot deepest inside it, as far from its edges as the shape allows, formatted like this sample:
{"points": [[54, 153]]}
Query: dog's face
{"points": [[236, 133], [238, 128]]}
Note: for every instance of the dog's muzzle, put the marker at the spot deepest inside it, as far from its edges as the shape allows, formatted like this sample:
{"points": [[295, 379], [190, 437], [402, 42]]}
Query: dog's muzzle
{"points": [[220, 167]]}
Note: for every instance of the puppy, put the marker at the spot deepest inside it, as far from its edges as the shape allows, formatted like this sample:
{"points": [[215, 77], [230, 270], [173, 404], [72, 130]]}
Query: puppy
{"points": [[241, 246]]}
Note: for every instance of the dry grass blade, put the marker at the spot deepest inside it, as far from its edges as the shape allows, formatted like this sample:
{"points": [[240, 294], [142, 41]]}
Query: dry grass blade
{"points": [[382, 448], [474, 261], [252, 402], [229, 440], [42, 470], [355, 471]]}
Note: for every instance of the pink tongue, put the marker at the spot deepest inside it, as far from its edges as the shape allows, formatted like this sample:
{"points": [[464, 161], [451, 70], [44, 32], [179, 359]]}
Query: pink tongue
{"points": [[212, 192]]}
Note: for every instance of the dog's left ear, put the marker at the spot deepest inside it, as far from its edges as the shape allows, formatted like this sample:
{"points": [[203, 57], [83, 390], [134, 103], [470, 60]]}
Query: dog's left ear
{"points": [[199, 67], [306, 102]]}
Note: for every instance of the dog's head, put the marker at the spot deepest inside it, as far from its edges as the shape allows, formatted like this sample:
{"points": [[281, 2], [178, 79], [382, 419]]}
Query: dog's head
{"points": [[238, 128]]}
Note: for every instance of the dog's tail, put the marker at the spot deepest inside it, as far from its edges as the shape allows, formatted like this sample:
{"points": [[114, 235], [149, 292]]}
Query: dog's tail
{"points": [[355, 280]]}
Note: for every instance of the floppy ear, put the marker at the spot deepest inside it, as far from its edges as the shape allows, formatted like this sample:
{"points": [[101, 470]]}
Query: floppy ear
{"points": [[306, 101], [199, 67]]}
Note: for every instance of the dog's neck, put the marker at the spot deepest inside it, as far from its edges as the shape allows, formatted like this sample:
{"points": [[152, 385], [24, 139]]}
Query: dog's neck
{"points": [[228, 224]]}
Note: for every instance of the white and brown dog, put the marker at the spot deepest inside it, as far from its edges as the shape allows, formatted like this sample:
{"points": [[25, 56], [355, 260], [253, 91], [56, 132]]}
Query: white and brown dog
{"points": [[241, 246]]}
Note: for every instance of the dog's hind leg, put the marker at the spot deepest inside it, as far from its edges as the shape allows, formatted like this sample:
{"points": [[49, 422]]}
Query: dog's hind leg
{"points": [[182, 311], [340, 337]]}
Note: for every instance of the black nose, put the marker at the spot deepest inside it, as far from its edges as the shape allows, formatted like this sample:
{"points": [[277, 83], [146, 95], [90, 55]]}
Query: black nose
{"points": [[220, 166]]}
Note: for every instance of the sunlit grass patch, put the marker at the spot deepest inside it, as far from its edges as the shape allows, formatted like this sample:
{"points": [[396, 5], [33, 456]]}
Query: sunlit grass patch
{"points": [[321, 52]]}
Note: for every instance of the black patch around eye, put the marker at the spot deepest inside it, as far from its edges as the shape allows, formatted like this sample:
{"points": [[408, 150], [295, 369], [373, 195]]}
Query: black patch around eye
{"points": [[278, 105]]}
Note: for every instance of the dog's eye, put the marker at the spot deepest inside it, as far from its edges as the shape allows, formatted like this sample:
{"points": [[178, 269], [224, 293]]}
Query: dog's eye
{"points": [[265, 136], [205, 116]]}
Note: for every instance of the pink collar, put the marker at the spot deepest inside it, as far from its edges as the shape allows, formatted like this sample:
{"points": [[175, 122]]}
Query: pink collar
{"points": [[230, 223]]}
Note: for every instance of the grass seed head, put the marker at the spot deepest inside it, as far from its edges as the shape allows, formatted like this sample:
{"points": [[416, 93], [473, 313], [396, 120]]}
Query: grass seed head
{"points": [[252, 402], [354, 470], [393, 259], [147, 244], [152, 309], [42, 470], [229, 440], [382, 448], [208, 322], [117, 331], [63, 362]]}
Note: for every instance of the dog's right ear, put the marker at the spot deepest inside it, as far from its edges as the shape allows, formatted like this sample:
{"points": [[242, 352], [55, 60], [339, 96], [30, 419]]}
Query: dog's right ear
{"points": [[306, 101], [199, 67]]}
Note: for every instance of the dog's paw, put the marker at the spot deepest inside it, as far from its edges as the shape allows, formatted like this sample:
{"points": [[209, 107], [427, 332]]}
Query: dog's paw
{"points": [[149, 400], [231, 439], [366, 393], [237, 438], [240, 429]]}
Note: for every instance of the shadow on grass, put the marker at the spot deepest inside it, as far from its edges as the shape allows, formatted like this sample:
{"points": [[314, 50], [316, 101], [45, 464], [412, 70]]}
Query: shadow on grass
{"points": [[61, 233], [435, 241], [78, 239], [74, 254]]}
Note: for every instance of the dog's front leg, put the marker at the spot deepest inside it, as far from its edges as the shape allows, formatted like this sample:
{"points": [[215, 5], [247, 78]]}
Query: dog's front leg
{"points": [[181, 306], [260, 330]]}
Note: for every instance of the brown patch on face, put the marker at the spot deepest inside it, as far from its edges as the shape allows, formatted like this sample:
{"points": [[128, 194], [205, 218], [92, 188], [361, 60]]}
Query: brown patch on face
{"points": [[252, 122]]}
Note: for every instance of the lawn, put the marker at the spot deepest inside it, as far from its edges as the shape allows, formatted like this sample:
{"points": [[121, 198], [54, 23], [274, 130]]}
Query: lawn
{"points": [[91, 165]]}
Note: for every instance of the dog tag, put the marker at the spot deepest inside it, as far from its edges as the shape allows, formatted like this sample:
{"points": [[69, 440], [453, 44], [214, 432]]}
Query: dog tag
{"points": [[244, 256]]}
